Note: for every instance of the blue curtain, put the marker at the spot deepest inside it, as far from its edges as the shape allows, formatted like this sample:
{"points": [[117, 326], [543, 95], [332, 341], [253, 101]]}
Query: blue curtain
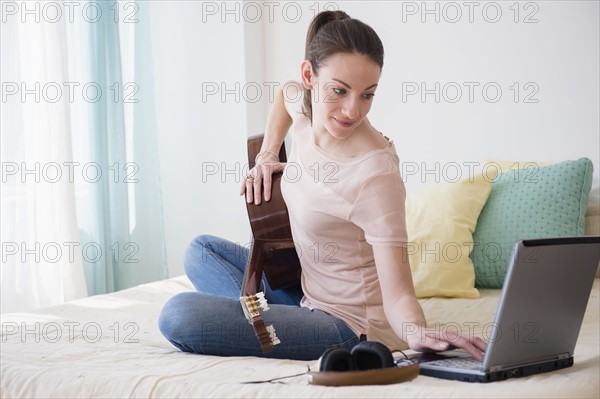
{"points": [[120, 215]]}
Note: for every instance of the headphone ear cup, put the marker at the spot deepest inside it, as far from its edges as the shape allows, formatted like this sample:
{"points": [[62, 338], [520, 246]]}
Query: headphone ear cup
{"points": [[368, 355], [336, 359]]}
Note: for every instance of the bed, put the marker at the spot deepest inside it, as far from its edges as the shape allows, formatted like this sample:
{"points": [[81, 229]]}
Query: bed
{"points": [[110, 346]]}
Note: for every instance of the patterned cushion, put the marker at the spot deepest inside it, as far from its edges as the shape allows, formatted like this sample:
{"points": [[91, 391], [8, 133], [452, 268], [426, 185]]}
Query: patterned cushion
{"points": [[526, 203]]}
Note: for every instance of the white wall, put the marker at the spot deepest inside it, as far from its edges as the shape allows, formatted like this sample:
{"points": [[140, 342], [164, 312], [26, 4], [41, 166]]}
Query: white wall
{"points": [[559, 54], [197, 135]]}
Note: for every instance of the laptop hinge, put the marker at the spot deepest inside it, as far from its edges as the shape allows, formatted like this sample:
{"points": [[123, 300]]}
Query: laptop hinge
{"points": [[495, 368], [564, 356]]}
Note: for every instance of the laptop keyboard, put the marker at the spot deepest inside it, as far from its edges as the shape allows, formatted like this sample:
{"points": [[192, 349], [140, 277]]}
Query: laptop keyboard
{"points": [[458, 363]]}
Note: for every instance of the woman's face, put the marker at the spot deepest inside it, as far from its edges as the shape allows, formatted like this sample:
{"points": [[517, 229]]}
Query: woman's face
{"points": [[342, 93]]}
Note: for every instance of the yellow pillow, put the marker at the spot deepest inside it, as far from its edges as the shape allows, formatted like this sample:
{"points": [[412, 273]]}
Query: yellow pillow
{"points": [[440, 221]]}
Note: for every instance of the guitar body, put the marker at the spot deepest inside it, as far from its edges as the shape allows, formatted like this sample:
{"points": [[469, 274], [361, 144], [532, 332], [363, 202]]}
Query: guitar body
{"points": [[272, 253]]}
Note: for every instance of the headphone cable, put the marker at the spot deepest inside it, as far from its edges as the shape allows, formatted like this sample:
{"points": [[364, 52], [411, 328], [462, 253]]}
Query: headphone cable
{"points": [[278, 378]]}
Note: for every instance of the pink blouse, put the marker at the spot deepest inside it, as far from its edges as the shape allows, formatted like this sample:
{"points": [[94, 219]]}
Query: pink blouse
{"points": [[339, 208]]}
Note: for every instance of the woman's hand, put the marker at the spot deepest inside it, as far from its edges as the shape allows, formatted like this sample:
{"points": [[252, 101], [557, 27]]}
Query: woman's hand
{"points": [[404, 312], [430, 339], [262, 171]]}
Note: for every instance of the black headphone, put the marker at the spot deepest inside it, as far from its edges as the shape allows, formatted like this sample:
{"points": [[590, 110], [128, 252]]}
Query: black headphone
{"points": [[366, 355], [369, 363]]}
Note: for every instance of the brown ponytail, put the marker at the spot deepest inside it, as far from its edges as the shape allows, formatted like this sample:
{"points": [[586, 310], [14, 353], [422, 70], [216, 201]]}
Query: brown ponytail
{"points": [[332, 32]]}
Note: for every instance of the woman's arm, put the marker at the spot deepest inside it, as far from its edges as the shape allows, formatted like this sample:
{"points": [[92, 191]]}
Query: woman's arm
{"points": [[278, 123], [404, 312]]}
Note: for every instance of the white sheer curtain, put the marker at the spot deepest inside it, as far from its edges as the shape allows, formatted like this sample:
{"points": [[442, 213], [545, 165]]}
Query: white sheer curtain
{"points": [[66, 234], [41, 265]]}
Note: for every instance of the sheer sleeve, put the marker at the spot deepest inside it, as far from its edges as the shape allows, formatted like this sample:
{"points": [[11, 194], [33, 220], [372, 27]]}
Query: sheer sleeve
{"points": [[379, 210]]}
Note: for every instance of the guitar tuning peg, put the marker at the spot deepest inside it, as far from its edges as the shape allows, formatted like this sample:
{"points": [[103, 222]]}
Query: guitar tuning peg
{"points": [[252, 304], [250, 307], [274, 339], [262, 301]]}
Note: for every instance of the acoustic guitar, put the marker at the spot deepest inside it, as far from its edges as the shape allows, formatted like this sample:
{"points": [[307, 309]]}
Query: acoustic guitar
{"points": [[272, 253]]}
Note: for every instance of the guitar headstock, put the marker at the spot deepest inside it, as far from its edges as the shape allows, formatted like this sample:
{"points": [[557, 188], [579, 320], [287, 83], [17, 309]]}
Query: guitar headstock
{"points": [[252, 306]]}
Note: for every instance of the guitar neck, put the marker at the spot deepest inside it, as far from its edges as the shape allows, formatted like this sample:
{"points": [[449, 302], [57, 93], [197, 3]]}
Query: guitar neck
{"points": [[253, 272], [252, 300], [254, 267]]}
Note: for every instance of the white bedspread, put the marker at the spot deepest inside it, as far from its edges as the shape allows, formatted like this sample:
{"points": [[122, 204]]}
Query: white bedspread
{"points": [[110, 346]]}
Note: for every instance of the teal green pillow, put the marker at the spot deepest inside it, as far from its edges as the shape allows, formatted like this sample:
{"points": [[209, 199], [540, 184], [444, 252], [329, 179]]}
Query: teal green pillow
{"points": [[547, 201]]}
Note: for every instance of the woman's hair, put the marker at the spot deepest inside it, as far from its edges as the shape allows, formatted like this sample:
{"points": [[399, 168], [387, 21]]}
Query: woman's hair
{"points": [[332, 32]]}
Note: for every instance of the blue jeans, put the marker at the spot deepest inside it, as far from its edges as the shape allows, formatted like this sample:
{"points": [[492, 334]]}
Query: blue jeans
{"points": [[211, 321]]}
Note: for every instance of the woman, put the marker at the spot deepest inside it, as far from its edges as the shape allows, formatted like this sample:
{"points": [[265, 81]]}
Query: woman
{"points": [[345, 197]]}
